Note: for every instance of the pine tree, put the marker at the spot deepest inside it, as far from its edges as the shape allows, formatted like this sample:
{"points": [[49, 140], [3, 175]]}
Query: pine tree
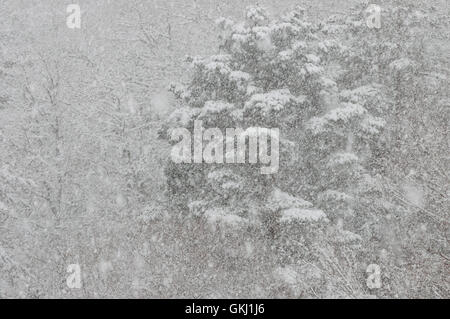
{"points": [[273, 73], [397, 60]]}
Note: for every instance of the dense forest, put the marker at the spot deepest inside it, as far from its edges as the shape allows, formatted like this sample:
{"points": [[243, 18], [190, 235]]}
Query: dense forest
{"points": [[86, 130]]}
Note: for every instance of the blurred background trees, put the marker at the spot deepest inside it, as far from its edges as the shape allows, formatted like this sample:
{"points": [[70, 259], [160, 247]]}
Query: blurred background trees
{"points": [[82, 175]]}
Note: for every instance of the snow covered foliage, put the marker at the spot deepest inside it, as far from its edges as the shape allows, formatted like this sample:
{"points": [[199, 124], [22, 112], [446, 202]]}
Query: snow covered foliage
{"points": [[244, 86], [357, 116], [328, 87], [275, 73]]}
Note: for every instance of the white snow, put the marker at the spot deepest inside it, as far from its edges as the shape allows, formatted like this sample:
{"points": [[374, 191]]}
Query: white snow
{"points": [[282, 200], [401, 64], [343, 158], [344, 113], [286, 274], [274, 100], [299, 214], [214, 107], [3, 206], [225, 217], [372, 125], [413, 194]]}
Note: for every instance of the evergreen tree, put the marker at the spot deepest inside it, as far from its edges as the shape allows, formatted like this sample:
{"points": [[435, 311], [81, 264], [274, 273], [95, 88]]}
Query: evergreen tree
{"points": [[278, 74]]}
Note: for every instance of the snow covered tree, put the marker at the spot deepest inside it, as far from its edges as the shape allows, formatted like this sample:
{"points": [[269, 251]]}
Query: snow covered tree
{"points": [[276, 74], [398, 59]]}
